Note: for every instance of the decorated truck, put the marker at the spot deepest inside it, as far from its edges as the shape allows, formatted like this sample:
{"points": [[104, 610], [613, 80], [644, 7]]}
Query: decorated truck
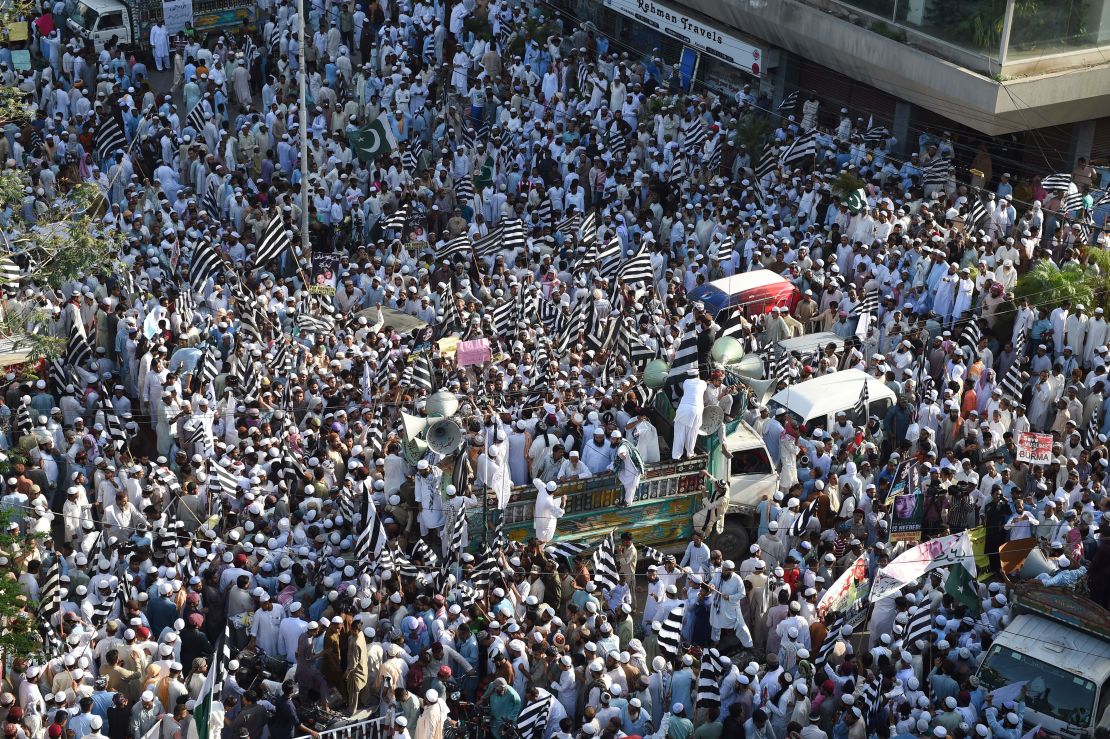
{"points": [[99, 21], [675, 499]]}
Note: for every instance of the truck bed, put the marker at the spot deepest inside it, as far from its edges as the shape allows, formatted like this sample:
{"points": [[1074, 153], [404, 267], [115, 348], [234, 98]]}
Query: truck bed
{"points": [[670, 494]]}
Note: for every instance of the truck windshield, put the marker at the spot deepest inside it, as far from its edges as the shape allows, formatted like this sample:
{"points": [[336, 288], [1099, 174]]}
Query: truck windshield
{"points": [[1051, 691], [84, 16], [751, 462]]}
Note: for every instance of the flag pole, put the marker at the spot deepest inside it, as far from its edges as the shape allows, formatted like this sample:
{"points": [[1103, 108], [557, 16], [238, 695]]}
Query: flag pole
{"points": [[303, 116]]}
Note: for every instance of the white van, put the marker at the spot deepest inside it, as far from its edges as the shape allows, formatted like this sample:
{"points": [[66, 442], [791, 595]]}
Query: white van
{"points": [[806, 344], [814, 403]]}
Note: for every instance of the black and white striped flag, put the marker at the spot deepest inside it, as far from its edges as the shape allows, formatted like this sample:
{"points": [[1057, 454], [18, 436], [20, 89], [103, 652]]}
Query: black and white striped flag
{"points": [[567, 549], [670, 633], [371, 537], [464, 188], [802, 148], [786, 107], [978, 215], [1057, 182], [637, 268], [920, 626], [1011, 384], [78, 351], [112, 421], [9, 274], [875, 135], [831, 638], [970, 338], [798, 525], [936, 172], [768, 162], [532, 721], [195, 119], [693, 136], [870, 699], [109, 137], [275, 240], [685, 356], [185, 304], [50, 595], [861, 407], [605, 563], [709, 679], [206, 263]]}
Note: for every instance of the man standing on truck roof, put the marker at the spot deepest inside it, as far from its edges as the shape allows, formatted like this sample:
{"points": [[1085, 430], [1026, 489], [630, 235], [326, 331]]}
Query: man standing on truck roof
{"points": [[629, 468], [687, 419], [547, 511]]}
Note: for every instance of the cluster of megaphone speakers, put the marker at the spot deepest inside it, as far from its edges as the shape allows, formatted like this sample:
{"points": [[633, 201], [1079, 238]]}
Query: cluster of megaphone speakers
{"points": [[438, 431], [727, 354]]}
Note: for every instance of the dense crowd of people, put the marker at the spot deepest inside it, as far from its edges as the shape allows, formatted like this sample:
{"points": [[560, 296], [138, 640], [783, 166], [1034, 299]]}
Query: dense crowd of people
{"points": [[212, 490]]}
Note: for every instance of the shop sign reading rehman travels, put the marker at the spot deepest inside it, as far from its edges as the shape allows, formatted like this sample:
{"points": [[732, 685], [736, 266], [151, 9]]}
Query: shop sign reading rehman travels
{"points": [[704, 38]]}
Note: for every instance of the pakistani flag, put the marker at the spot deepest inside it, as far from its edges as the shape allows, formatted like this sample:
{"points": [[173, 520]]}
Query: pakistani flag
{"points": [[857, 200], [485, 176], [208, 714], [961, 586], [370, 142]]}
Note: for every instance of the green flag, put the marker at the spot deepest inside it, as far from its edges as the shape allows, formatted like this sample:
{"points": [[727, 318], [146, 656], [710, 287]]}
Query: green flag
{"points": [[208, 714], [373, 140], [961, 586], [857, 200], [485, 176]]}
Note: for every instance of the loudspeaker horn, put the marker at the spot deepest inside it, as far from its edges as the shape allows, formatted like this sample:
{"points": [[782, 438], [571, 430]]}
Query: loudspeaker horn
{"points": [[726, 351], [711, 418], [414, 450], [762, 390], [655, 374], [750, 366], [442, 404], [414, 425], [444, 437]]}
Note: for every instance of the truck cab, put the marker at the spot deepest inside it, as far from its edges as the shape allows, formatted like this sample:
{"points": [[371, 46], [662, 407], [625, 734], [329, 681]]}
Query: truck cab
{"points": [[1059, 643], [98, 21]]}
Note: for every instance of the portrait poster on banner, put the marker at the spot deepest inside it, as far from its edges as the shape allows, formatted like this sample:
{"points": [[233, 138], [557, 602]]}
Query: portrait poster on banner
{"points": [[325, 274], [907, 505], [849, 594]]}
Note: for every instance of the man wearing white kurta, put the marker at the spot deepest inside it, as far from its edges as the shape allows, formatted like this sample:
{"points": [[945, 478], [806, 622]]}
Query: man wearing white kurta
{"points": [[687, 419], [426, 489], [628, 472], [726, 605], [432, 719], [454, 509], [547, 511], [160, 46]]}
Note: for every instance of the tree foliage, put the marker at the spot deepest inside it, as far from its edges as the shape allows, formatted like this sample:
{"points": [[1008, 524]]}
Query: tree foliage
{"points": [[1046, 285]]}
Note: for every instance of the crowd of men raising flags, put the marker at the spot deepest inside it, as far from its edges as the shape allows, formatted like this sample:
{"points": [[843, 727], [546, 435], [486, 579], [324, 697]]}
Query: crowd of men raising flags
{"points": [[211, 484]]}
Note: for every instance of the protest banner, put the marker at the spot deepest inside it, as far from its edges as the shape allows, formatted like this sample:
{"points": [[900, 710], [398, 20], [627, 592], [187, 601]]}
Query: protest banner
{"points": [[325, 274], [908, 505], [848, 595], [1034, 448], [911, 564], [472, 352]]}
